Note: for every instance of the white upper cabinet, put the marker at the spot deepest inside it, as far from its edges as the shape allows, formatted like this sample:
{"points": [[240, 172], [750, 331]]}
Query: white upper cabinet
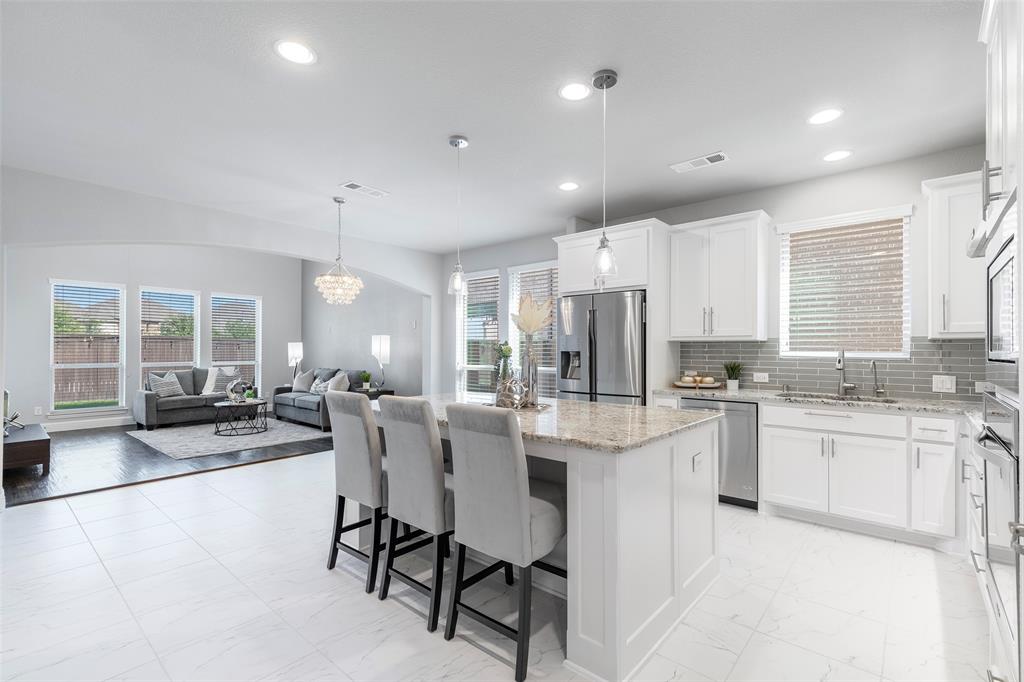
{"points": [[717, 279], [956, 283], [1000, 31], [631, 244]]}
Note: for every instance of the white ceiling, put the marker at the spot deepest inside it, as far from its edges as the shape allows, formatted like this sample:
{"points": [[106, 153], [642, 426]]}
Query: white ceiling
{"points": [[188, 101]]}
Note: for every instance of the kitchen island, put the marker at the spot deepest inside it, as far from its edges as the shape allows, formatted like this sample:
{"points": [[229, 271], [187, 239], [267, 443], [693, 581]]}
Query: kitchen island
{"points": [[641, 545]]}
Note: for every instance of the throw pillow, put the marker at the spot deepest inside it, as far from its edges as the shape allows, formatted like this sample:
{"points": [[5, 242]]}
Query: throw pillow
{"points": [[166, 386], [303, 382], [319, 386], [340, 382], [225, 376], [211, 381]]}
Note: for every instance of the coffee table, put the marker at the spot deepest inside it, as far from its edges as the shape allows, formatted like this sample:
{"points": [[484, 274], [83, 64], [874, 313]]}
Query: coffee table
{"points": [[241, 418]]}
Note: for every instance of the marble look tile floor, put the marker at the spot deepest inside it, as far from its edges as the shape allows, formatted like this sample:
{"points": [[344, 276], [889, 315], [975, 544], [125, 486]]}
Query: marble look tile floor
{"points": [[220, 576]]}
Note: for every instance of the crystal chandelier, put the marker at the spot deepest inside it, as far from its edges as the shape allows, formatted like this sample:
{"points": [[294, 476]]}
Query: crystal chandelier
{"points": [[604, 258], [457, 280], [338, 286]]}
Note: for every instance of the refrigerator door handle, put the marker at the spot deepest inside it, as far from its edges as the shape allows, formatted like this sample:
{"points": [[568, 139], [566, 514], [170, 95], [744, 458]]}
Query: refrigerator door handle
{"points": [[592, 343]]}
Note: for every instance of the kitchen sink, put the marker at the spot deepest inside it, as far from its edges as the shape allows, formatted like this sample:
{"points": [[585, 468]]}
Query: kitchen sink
{"points": [[836, 396]]}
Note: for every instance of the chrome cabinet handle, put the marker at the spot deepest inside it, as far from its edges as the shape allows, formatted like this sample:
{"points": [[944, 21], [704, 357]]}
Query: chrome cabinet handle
{"points": [[711, 321], [828, 414], [833, 447], [931, 428], [944, 322], [918, 458], [974, 560], [993, 678], [704, 322], [823, 446], [974, 500]]}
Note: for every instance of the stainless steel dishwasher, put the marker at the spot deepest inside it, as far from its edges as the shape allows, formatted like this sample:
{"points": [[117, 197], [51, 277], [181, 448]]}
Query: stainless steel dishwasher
{"points": [[737, 449]]}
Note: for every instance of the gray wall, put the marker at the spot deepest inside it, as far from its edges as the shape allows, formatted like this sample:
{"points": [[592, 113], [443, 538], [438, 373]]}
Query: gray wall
{"points": [[339, 336], [276, 279]]}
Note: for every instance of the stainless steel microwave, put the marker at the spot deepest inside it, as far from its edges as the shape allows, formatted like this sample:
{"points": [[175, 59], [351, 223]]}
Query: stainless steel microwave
{"points": [[1002, 338]]}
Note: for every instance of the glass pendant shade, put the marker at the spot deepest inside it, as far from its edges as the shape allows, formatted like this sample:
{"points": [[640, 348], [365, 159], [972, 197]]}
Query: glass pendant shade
{"points": [[604, 261], [338, 286], [457, 280]]}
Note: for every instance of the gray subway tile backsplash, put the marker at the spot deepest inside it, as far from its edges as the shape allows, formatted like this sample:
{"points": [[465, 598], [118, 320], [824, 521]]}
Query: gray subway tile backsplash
{"points": [[902, 378]]}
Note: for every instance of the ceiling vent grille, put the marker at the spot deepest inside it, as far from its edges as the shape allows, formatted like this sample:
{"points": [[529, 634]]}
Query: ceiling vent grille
{"points": [[365, 189], [700, 162]]}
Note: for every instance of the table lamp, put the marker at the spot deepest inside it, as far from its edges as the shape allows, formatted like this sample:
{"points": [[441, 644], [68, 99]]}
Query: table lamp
{"points": [[380, 348], [295, 356]]}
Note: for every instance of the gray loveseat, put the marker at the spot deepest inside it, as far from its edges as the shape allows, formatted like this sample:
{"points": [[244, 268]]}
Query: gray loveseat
{"points": [[151, 411], [310, 408]]}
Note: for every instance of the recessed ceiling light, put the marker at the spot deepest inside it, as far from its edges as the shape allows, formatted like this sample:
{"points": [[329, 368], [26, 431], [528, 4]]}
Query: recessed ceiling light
{"points": [[825, 116], [297, 53], [574, 91], [838, 155], [568, 186]]}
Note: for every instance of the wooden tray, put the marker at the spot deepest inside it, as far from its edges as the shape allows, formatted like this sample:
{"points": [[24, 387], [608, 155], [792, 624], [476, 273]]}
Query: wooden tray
{"points": [[679, 384]]}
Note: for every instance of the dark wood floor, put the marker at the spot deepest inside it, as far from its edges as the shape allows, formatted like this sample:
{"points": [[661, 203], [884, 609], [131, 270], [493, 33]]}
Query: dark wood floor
{"points": [[96, 459]]}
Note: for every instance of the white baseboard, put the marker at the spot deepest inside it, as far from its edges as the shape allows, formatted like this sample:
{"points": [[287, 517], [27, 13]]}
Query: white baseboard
{"points": [[88, 422]]}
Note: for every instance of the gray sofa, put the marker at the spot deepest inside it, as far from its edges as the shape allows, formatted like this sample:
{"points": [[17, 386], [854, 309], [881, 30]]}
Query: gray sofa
{"points": [[310, 408], [151, 411]]}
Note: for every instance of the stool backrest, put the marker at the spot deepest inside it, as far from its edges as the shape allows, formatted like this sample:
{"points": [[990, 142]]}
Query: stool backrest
{"points": [[415, 463], [356, 448], [492, 489]]}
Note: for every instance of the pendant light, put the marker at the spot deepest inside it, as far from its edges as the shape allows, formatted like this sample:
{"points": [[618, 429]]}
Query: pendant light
{"points": [[604, 258], [457, 280], [338, 286]]}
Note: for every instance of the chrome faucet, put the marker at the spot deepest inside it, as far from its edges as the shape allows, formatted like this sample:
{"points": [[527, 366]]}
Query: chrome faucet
{"points": [[843, 386], [879, 391]]}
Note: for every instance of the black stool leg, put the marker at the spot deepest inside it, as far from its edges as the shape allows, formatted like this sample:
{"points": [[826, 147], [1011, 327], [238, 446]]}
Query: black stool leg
{"points": [[389, 559], [509, 576], [436, 583], [371, 573], [447, 546], [523, 629], [339, 517], [456, 593]]}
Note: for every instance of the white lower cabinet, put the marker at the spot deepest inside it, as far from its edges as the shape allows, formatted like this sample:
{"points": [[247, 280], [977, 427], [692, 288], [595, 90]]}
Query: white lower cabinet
{"points": [[933, 488], [867, 479], [795, 468]]}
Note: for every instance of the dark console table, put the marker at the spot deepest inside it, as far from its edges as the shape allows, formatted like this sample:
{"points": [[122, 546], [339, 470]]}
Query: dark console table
{"points": [[27, 447], [374, 393]]}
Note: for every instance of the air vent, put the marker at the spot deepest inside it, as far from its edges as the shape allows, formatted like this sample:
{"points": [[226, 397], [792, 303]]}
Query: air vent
{"points": [[699, 162], [365, 189]]}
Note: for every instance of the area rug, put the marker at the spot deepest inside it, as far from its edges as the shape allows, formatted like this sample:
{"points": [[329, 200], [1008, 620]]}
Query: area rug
{"points": [[185, 442]]}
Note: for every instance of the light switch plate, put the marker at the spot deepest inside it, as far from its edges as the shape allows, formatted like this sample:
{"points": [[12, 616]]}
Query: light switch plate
{"points": [[38, 410], [944, 383], [760, 377], [982, 386]]}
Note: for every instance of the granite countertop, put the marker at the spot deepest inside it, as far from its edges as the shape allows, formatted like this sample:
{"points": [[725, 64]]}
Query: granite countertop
{"points": [[749, 395], [593, 426]]}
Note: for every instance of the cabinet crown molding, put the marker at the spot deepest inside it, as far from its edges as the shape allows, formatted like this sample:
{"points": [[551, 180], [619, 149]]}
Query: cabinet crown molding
{"points": [[759, 215], [958, 180], [653, 223]]}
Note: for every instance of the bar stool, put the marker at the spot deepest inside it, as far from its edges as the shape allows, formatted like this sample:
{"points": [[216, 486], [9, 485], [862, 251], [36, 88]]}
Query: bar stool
{"points": [[359, 475], [500, 512], [420, 493]]}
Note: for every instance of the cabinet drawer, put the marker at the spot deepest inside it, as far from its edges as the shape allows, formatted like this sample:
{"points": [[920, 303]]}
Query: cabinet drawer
{"points": [[836, 421], [927, 428]]}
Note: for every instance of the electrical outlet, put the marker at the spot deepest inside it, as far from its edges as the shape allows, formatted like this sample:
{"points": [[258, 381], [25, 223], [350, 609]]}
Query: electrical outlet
{"points": [[982, 386], [944, 383], [37, 410], [760, 377]]}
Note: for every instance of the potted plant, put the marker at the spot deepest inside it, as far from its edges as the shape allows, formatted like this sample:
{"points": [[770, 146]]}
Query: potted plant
{"points": [[365, 376], [732, 375]]}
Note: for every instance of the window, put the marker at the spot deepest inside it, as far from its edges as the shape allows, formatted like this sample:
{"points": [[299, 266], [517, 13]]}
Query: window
{"points": [[541, 281], [477, 332], [87, 345], [845, 284], [168, 330], [235, 331]]}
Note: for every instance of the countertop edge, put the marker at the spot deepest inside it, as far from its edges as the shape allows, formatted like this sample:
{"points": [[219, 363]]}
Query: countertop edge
{"points": [[908, 406]]}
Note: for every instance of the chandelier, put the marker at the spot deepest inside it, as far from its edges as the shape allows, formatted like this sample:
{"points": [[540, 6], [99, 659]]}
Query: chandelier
{"points": [[338, 286]]}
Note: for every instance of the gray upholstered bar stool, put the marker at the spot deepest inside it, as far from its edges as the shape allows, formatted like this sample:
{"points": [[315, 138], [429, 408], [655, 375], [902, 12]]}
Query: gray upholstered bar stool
{"points": [[420, 493], [501, 512], [359, 475]]}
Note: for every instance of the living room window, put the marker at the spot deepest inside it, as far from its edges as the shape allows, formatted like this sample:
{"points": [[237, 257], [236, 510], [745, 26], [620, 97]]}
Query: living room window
{"points": [[845, 284], [477, 331], [169, 329], [236, 323], [86, 345], [541, 281]]}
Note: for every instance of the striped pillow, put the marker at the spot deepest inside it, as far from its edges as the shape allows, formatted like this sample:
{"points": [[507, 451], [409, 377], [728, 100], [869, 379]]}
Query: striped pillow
{"points": [[225, 375], [166, 386]]}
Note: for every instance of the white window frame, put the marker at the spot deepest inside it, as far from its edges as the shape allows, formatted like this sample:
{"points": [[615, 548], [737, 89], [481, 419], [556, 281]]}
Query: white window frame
{"points": [[258, 362], [903, 212], [513, 331], [460, 336], [197, 302], [120, 364]]}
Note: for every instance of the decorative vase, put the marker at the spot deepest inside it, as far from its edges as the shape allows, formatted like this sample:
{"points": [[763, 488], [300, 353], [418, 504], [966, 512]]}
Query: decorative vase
{"points": [[529, 374], [732, 384], [505, 390]]}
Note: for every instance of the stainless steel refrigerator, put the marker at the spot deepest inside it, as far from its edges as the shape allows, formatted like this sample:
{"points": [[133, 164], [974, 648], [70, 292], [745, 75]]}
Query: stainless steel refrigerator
{"points": [[601, 341]]}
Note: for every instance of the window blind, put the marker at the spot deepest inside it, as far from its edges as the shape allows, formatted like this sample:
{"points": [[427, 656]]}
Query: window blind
{"points": [[542, 284], [168, 330], [86, 346], [235, 332], [479, 333], [846, 287]]}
